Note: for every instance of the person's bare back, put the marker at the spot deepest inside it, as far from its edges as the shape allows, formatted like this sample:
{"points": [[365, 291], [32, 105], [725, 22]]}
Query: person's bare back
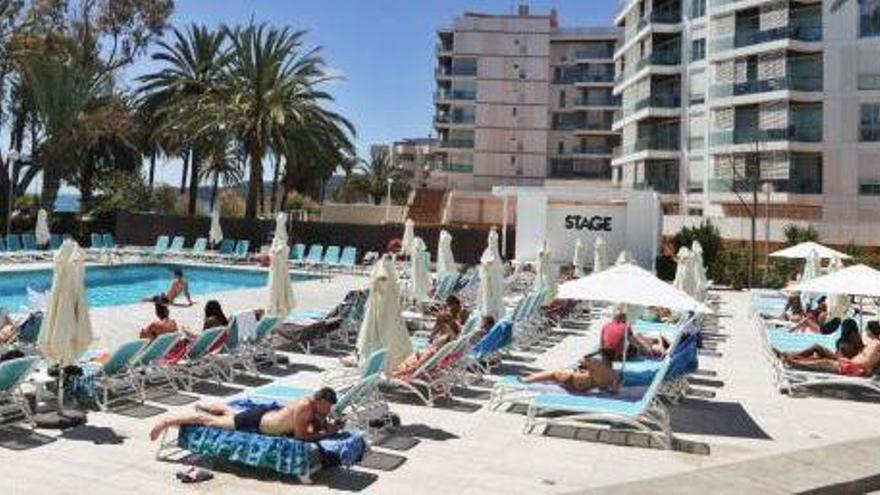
{"points": [[869, 357]]}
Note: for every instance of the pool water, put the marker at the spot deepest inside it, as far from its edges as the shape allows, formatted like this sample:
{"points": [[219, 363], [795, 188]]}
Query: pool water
{"points": [[128, 284]]}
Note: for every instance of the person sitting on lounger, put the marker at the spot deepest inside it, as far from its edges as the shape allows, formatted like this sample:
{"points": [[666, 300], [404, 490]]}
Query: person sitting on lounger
{"points": [[854, 357], [450, 321], [815, 320], [304, 419], [179, 287], [794, 309], [590, 374], [163, 324], [7, 327], [616, 333]]}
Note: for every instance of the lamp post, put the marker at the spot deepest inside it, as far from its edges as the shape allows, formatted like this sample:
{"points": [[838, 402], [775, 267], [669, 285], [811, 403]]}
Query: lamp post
{"points": [[767, 188], [11, 158], [388, 181]]}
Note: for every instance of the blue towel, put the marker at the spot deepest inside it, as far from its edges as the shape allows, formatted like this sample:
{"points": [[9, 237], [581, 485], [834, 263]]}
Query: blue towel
{"points": [[498, 337]]}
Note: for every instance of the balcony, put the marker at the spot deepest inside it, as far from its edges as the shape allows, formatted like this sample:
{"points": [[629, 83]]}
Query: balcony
{"points": [[566, 168], [594, 54], [791, 83], [462, 119], [588, 150], [440, 48], [661, 186], [744, 38], [790, 186], [603, 101], [801, 133], [869, 82], [457, 143], [666, 58], [456, 71], [663, 14], [455, 94], [659, 100]]}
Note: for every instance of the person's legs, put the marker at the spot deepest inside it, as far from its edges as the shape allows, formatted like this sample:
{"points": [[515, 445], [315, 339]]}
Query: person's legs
{"points": [[225, 421], [556, 376], [216, 409], [825, 365]]}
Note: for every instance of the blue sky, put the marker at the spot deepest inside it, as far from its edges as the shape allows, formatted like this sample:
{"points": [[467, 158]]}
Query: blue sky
{"points": [[383, 49]]}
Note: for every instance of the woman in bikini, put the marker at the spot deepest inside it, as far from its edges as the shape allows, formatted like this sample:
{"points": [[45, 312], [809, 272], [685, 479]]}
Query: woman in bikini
{"points": [[590, 374]]}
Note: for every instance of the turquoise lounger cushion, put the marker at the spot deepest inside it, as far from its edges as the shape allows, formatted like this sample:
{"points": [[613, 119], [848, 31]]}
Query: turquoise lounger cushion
{"points": [[627, 393], [280, 393]]}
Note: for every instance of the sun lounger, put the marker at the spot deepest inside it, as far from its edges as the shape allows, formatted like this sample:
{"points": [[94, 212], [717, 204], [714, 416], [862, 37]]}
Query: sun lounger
{"points": [[13, 405], [113, 378], [342, 377], [176, 247], [283, 455], [645, 412], [96, 241], [241, 250], [146, 367], [199, 248], [197, 363], [348, 259], [432, 379], [109, 241], [490, 347], [297, 254], [29, 242], [26, 332], [315, 256], [331, 257], [161, 246], [55, 241]]}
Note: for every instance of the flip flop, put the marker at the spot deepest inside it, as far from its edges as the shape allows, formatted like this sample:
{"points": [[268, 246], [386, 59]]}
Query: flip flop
{"points": [[194, 475]]}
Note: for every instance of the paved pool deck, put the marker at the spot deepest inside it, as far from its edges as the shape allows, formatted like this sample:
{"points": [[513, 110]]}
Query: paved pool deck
{"points": [[733, 416]]}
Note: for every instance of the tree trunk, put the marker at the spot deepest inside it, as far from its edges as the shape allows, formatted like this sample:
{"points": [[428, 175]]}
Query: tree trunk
{"points": [[194, 182], [183, 173], [214, 191], [256, 181], [51, 184], [152, 169], [275, 175]]}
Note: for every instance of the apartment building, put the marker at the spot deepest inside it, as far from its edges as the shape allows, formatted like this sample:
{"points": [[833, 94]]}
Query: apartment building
{"points": [[520, 101], [721, 98], [418, 156]]}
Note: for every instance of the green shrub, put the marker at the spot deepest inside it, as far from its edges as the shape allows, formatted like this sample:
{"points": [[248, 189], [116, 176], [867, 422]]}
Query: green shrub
{"points": [[732, 268], [796, 235], [231, 203], [298, 201], [665, 268], [710, 240], [120, 190], [165, 199]]}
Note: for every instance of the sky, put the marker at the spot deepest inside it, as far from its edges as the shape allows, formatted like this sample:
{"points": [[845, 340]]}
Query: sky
{"points": [[383, 50]]}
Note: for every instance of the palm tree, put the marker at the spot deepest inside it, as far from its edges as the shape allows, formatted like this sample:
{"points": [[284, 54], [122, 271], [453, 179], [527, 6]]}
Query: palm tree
{"points": [[371, 178], [222, 163], [191, 66], [270, 98]]}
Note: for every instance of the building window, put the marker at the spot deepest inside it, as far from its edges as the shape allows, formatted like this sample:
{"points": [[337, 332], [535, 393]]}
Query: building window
{"points": [[560, 148], [698, 49], [513, 159], [698, 9], [869, 18], [513, 111], [869, 126], [561, 98], [869, 188]]}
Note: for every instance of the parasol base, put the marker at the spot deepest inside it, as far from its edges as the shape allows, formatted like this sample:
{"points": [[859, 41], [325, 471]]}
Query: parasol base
{"points": [[60, 420]]}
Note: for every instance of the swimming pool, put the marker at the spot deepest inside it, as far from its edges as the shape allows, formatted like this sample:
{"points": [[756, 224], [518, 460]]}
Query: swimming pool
{"points": [[128, 284]]}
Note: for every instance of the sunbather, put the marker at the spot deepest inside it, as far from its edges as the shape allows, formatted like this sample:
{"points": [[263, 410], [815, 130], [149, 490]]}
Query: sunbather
{"points": [[590, 374], [7, 328], [179, 287], [816, 320], [854, 357], [163, 324], [304, 419], [794, 309], [450, 320], [617, 332]]}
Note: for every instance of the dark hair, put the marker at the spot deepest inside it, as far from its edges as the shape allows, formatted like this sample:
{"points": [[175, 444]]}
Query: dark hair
{"points": [[453, 300], [874, 327], [177, 272], [161, 311], [608, 354], [488, 321], [327, 394], [213, 309]]}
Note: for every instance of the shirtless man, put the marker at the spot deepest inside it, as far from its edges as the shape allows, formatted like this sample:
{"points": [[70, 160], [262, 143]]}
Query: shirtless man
{"points": [[163, 324], [179, 286], [590, 374], [304, 419]]}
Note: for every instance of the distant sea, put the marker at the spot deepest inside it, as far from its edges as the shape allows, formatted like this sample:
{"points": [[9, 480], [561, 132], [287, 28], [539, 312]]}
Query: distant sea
{"points": [[67, 203]]}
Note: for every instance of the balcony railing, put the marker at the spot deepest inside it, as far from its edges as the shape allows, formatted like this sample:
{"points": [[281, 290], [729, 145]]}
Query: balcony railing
{"points": [[661, 100], [561, 168], [593, 53], [662, 58], [589, 150], [462, 168], [790, 186], [605, 101], [664, 14], [662, 186], [649, 143], [869, 82], [442, 48], [465, 71], [457, 143], [454, 119], [455, 94], [798, 133], [792, 83], [744, 38]]}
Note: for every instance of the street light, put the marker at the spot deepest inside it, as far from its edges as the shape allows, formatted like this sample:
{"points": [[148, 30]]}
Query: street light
{"points": [[11, 158], [389, 181], [767, 189]]}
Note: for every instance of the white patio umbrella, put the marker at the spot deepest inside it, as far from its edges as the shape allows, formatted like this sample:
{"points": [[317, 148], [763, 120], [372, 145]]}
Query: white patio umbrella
{"points": [[281, 226], [802, 251], [66, 331], [684, 278], [632, 285], [701, 279], [382, 326], [493, 243], [41, 232], [281, 300], [421, 273], [216, 233], [490, 294], [409, 234], [838, 304], [856, 280], [543, 277], [600, 255], [445, 259], [579, 260], [623, 258]]}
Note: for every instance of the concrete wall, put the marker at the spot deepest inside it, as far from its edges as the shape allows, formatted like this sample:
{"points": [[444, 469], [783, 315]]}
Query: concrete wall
{"points": [[361, 213]]}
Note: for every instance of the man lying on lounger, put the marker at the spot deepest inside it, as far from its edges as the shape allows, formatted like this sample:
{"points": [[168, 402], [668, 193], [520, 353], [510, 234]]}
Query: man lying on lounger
{"points": [[179, 287], [853, 357], [304, 419]]}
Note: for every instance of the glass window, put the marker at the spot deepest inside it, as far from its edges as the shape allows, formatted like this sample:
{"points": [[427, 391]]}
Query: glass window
{"points": [[698, 49], [698, 9], [869, 125], [560, 148], [562, 98], [869, 18]]}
